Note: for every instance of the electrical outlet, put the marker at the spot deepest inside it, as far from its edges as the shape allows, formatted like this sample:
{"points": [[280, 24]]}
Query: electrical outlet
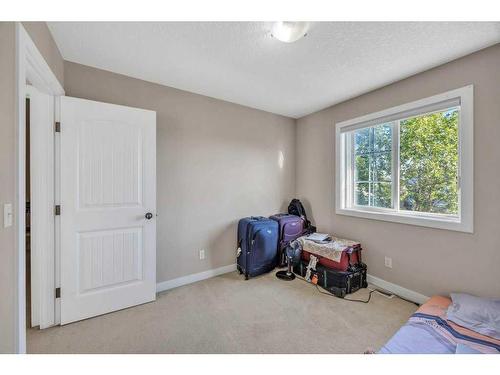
{"points": [[388, 262], [202, 254]]}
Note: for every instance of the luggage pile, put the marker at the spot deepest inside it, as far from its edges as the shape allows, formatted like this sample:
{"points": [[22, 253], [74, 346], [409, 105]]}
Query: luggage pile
{"points": [[262, 241], [335, 265]]}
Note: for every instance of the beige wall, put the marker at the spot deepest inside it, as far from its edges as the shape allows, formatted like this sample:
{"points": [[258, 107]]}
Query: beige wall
{"points": [[216, 162], [8, 257], [429, 261], [7, 186]]}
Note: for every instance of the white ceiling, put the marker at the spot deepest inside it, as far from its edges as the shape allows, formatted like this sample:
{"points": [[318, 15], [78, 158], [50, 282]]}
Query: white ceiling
{"points": [[240, 62]]}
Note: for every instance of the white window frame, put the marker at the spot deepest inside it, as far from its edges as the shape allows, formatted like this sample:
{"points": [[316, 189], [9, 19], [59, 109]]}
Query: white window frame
{"points": [[463, 222]]}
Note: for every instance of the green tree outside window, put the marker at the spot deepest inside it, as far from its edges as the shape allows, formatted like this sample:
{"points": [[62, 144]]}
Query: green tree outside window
{"points": [[428, 164]]}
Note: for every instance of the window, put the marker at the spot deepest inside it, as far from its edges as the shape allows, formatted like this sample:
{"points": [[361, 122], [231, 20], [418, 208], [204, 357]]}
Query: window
{"points": [[410, 164]]}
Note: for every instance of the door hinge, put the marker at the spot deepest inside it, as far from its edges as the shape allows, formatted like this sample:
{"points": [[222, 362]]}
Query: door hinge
{"points": [[58, 292], [57, 210], [58, 127]]}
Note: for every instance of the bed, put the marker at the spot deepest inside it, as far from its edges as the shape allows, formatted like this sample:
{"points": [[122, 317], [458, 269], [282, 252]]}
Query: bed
{"points": [[428, 332]]}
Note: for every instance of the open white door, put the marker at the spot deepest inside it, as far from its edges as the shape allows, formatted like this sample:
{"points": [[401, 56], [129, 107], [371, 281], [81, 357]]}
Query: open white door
{"points": [[108, 208]]}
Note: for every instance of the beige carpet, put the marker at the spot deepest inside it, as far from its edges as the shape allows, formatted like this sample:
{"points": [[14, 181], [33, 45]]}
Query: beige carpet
{"points": [[229, 315]]}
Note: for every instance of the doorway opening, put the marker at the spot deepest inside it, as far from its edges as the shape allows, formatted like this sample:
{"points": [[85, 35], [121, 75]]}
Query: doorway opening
{"points": [[28, 218]]}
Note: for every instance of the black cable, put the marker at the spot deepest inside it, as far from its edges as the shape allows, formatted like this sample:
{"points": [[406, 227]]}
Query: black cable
{"points": [[347, 299], [354, 300], [333, 295]]}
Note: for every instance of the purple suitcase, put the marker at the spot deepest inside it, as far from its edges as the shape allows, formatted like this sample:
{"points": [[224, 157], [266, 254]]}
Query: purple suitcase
{"points": [[291, 227]]}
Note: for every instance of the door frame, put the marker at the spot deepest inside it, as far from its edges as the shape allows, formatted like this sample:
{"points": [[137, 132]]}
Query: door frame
{"points": [[30, 67], [42, 203]]}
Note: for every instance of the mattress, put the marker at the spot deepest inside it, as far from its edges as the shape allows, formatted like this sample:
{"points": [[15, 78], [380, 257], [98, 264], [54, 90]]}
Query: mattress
{"points": [[428, 332]]}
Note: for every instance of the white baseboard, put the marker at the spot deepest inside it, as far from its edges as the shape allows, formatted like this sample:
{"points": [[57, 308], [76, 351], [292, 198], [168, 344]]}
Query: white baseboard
{"points": [[398, 290], [189, 279]]}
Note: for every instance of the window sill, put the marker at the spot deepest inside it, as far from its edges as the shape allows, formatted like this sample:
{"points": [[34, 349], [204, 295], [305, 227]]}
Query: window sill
{"points": [[439, 222]]}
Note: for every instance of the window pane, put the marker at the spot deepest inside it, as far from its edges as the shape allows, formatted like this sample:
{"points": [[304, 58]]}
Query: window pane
{"points": [[361, 194], [372, 165], [362, 168], [382, 166], [362, 141], [382, 137], [429, 163], [382, 194]]}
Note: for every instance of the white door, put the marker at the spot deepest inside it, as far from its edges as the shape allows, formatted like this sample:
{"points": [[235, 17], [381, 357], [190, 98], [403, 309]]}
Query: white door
{"points": [[108, 208]]}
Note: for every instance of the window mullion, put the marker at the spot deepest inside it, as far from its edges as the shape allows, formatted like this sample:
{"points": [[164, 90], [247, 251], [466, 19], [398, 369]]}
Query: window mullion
{"points": [[395, 165], [371, 170], [352, 159]]}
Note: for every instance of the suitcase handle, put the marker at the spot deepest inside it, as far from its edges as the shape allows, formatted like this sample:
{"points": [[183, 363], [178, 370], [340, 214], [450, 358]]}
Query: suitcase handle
{"points": [[255, 235], [249, 249]]}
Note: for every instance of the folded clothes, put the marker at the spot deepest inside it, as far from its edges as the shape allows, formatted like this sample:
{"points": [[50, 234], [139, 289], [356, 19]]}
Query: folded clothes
{"points": [[319, 237]]}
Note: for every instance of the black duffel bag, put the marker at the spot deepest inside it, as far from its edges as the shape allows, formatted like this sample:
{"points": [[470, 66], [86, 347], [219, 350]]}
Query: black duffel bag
{"points": [[296, 208]]}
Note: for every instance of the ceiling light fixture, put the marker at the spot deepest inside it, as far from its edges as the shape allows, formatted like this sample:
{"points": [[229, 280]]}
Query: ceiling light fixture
{"points": [[289, 32]]}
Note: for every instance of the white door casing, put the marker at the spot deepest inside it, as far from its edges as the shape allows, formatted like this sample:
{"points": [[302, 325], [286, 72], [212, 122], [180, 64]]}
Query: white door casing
{"points": [[42, 207], [33, 69], [108, 184]]}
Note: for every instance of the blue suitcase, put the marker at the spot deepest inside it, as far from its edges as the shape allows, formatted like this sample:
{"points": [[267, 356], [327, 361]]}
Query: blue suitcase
{"points": [[257, 245]]}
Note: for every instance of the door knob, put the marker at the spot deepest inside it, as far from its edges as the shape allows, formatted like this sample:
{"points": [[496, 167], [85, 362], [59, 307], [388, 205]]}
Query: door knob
{"points": [[148, 216]]}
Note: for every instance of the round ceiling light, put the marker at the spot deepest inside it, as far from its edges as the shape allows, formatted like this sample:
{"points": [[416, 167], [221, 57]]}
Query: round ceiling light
{"points": [[289, 32]]}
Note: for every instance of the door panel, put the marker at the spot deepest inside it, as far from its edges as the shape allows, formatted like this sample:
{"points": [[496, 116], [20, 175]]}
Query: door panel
{"points": [[110, 258], [110, 166], [108, 184]]}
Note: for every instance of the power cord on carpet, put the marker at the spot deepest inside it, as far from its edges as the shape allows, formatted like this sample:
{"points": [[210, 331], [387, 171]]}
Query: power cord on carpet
{"points": [[347, 299], [356, 300]]}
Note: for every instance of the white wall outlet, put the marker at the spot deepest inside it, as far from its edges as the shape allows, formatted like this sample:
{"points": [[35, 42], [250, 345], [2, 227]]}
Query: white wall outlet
{"points": [[388, 262], [202, 254], [7, 215]]}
